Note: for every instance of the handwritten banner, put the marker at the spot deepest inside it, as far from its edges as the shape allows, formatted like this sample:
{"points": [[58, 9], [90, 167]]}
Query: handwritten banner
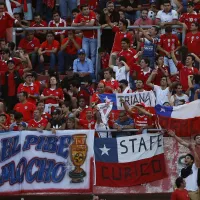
{"points": [[32, 162]]}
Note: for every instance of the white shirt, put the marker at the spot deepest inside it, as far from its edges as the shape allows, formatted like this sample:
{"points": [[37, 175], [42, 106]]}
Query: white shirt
{"points": [[161, 95], [105, 134], [120, 73], [191, 180], [177, 101], [167, 17]]}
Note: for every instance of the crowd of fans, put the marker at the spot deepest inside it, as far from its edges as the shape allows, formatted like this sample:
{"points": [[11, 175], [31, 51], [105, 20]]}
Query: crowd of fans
{"points": [[49, 79]]}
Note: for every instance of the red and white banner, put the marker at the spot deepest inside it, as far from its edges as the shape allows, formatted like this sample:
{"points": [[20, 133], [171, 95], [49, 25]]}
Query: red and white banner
{"points": [[128, 161], [31, 162]]}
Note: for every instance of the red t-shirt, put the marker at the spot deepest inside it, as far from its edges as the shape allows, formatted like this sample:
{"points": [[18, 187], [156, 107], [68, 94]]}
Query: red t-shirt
{"points": [[87, 124], [41, 24], [46, 116], [32, 90], [169, 42], [128, 54], [184, 72], [118, 37], [26, 109], [114, 84], [86, 93], [95, 98], [46, 46], [82, 114], [141, 75], [92, 16], [29, 46], [71, 49], [143, 120], [159, 75], [192, 41], [188, 19], [61, 23], [105, 61], [51, 92], [180, 195], [6, 21], [34, 124]]}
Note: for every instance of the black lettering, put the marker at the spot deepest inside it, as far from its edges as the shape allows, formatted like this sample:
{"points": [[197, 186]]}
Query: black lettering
{"points": [[156, 166], [135, 100], [103, 169], [133, 146], [124, 147], [127, 173], [119, 173], [142, 169], [126, 99], [159, 140], [142, 143], [152, 142]]}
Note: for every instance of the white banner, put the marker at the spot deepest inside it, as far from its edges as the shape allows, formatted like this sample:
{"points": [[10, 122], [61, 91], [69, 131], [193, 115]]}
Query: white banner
{"points": [[148, 98], [46, 163]]}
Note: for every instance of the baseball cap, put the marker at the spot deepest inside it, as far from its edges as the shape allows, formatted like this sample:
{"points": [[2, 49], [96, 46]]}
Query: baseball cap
{"points": [[56, 112], [28, 74], [140, 104], [10, 61], [190, 3], [81, 51]]}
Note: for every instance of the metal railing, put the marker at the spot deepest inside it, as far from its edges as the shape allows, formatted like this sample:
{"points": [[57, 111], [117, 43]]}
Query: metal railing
{"points": [[98, 28]]}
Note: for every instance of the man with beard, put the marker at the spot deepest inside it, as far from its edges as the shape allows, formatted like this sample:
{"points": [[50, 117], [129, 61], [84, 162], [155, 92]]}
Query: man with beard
{"points": [[144, 20], [107, 37]]}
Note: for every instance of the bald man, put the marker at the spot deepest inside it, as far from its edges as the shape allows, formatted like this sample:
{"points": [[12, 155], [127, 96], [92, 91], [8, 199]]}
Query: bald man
{"points": [[95, 98]]}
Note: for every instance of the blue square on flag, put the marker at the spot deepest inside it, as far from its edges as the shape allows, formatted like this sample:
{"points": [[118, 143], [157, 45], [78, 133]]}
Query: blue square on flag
{"points": [[109, 97], [164, 111], [105, 150]]}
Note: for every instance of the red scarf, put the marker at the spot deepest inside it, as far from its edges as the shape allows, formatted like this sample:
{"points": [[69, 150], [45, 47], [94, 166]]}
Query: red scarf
{"points": [[25, 5], [49, 3]]}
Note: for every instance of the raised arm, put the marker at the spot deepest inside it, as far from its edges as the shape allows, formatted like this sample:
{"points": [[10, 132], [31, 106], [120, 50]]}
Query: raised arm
{"points": [[150, 79], [181, 141], [174, 58]]}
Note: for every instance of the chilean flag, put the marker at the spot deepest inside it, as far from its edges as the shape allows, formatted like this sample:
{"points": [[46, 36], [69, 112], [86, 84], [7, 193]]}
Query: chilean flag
{"points": [[184, 119], [129, 161]]}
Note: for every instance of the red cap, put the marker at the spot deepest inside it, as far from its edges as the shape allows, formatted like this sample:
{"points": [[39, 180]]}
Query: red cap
{"points": [[140, 104], [89, 109]]}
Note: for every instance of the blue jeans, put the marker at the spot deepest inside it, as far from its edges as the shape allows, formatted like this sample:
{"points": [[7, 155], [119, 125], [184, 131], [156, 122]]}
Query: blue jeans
{"points": [[48, 59], [90, 47], [66, 7], [65, 61]]}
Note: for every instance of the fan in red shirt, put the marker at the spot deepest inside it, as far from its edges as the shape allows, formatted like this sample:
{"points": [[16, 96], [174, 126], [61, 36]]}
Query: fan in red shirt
{"points": [[120, 33], [58, 22], [161, 70], [6, 21], [53, 95], [37, 123], [2, 111], [3, 125], [29, 87], [89, 43], [68, 51], [38, 22], [127, 52], [185, 71], [142, 118], [192, 39], [95, 97], [169, 42], [40, 107], [30, 45], [190, 17], [180, 193], [104, 57], [142, 72], [25, 107], [81, 111], [110, 83], [47, 51], [88, 122]]}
